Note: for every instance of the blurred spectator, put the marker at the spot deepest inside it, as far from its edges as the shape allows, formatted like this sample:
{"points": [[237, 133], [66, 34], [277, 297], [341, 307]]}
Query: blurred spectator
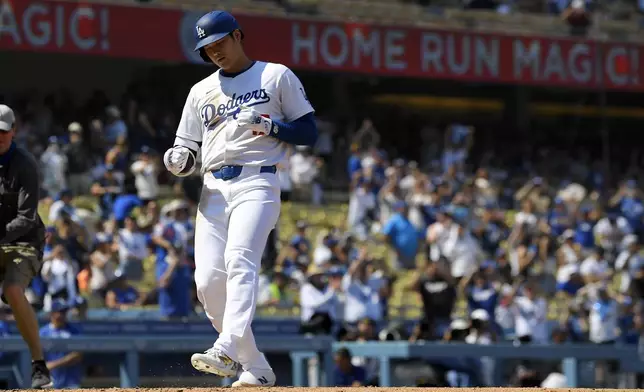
{"points": [[629, 261], [610, 231], [66, 367], [569, 279], [63, 205], [304, 174], [438, 294], [279, 294], [115, 128], [103, 264], [603, 324], [576, 322], [536, 191], [173, 274], [530, 310], [148, 217], [319, 300], [366, 332], [133, 249], [79, 161], [481, 292], [125, 203], [362, 209], [59, 273], [287, 262], [482, 332], [437, 234], [354, 165], [362, 291], [461, 250], [54, 164], [117, 157], [458, 139], [595, 267], [346, 374], [403, 237], [72, 235], [578, 16], [628, 200], [121, 295], [106, 188], [461, 372], [145, 172], [301, 243]]}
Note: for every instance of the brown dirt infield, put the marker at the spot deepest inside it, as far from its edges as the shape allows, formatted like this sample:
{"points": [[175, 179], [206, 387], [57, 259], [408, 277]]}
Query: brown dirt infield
{"points": [[342, 389]]}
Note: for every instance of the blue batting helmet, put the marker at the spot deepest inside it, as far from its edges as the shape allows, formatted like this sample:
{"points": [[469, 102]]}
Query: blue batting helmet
{"points": [[212, 27]]}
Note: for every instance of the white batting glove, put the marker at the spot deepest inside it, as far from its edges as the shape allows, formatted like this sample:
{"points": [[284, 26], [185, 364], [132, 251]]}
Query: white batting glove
{"points": [[250, 118], [177, 158]]}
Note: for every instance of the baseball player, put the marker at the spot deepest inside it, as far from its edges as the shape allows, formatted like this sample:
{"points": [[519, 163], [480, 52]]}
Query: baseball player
{"points": [[244, 117]]}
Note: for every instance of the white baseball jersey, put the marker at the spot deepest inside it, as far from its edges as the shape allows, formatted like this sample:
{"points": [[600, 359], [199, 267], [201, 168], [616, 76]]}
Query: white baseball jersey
{"points": [[271, 89]]}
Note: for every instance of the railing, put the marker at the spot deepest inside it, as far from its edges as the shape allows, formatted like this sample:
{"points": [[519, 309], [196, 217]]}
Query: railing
{"points": [[569, 354], [303, 348], [299, 347]]}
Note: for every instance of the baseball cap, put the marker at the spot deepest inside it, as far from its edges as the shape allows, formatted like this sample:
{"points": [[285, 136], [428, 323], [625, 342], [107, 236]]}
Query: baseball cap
{"points": [[336, 271], [75, 127], [480, 314], [59, 306], [7, 118], [214, 26]]}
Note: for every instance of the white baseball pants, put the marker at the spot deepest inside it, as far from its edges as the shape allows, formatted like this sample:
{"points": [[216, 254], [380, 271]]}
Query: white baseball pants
{"points": [[232, 227]]}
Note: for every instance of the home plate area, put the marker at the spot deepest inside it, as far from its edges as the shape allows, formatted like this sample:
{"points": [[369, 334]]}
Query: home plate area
{"points": [[345, 389]]}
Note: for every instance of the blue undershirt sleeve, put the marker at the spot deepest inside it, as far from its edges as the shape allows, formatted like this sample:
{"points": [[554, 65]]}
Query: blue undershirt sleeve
{"points": [[300, 132]]}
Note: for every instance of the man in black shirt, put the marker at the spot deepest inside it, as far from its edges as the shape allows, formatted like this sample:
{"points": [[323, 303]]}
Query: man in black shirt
{"points": [[22, 236], [79, 161], [438, 293]]}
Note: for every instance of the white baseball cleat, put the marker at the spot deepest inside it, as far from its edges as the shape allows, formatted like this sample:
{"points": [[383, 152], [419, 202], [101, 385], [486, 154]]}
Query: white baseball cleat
{"points": [[216, 362], [256, 378]]}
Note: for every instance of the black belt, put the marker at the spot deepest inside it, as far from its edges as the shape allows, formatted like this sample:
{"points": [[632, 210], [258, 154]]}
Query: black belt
{"points": [[229, 172]]}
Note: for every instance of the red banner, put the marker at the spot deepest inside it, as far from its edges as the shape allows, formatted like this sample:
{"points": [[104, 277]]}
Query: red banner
{"points": [[160, 34]]}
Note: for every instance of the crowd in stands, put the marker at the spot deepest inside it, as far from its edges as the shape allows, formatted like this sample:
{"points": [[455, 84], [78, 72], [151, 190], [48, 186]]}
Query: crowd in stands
{"points": [[492, 246], [561, 244]]}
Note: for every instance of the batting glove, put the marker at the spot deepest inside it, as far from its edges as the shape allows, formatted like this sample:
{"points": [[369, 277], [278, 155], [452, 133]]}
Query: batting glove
{"points": [[177, 158], [250, 118]]}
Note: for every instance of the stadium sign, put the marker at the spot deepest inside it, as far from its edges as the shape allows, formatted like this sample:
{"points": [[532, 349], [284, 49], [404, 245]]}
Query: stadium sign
{"points": [[118, 31]]}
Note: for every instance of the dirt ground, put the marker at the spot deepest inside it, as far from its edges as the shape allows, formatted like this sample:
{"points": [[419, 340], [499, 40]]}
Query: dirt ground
{"points": [[370, 389]]}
